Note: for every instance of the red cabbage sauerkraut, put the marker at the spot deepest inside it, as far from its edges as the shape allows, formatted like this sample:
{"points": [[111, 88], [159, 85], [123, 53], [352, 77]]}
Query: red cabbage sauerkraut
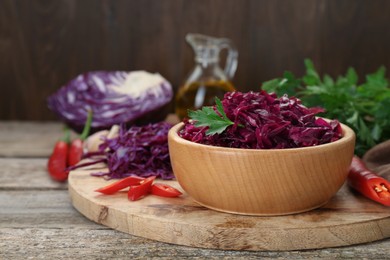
{"points": [[137, 151], [264, 121]]}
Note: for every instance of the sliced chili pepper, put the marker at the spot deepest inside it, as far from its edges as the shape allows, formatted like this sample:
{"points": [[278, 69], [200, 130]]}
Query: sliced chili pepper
{"points": [[76, 147], [165, 190], [57, 162], [137, 192], [368, 183], [121, 184]]}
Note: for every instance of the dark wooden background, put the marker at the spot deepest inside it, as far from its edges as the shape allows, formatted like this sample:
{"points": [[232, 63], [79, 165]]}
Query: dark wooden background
{"points": [[43, 44]]}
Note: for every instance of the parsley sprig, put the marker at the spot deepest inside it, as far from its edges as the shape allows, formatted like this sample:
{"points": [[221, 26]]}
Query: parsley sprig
{"points": [[207, 116], [363, 106]]}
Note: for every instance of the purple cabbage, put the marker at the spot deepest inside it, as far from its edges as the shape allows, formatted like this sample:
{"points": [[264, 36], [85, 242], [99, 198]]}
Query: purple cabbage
{"points": [[102, 92], [264, 121], [137, 151]]}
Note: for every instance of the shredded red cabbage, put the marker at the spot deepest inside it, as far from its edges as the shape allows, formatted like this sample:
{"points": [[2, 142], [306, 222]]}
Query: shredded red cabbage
{"points": [[264, 121], [139, 150]]}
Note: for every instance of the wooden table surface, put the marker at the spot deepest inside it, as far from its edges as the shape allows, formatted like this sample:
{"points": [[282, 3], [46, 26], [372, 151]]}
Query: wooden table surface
{"points": [[37, 219]]}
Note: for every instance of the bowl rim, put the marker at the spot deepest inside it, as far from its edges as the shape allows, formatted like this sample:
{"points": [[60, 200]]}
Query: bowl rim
{"points": [[348, 135]]}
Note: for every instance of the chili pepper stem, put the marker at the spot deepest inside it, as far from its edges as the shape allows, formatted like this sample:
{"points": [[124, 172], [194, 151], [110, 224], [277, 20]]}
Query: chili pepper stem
{"points": [[66, 137], [87, 126]]}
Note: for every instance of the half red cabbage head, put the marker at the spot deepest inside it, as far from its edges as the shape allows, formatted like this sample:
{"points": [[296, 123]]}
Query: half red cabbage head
{"points": [[264, 121], [114, 97]]}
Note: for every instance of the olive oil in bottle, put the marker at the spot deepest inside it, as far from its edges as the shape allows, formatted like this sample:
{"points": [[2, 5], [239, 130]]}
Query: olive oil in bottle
{"points": [[195, 95], [207, 79]]}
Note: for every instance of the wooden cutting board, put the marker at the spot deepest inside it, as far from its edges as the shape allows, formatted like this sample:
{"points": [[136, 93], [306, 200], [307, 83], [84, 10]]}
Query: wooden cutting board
{"points": [[346, 220]]}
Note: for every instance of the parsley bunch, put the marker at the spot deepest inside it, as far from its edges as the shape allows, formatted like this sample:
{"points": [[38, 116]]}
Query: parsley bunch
{"points": [[364, 107]]}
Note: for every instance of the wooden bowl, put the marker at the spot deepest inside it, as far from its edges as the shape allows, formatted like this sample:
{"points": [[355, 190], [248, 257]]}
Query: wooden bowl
{"points": [[261, 182]]}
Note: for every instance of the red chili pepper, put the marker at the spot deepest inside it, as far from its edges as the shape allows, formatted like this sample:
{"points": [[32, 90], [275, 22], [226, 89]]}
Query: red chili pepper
{"points": [[121, 184], [75, 152], [165, 190], [368, 183], [57, 162], [76, 147], [139, 191]]}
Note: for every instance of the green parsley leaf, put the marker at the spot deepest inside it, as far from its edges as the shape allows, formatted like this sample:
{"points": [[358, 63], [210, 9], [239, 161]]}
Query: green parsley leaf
{"points": [[208, 117], [352, 76], [364, 107], [288, 84]]}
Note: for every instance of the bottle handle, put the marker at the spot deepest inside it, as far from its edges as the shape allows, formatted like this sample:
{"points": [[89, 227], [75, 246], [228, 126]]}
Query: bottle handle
{"points": [[231, 59]]}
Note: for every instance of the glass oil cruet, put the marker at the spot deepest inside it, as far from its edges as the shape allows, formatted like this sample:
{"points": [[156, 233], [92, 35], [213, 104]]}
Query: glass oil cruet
{"points": [[207, 78]]}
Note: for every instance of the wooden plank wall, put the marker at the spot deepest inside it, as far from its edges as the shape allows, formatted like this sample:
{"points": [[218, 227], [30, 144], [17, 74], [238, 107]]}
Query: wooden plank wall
{"points": [[43, 44]]}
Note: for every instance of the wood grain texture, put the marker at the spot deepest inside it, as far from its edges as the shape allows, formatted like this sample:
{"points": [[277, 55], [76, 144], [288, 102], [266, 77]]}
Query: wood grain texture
{"points": [[102, 243], [38, 221], [261, 182], [28, 139], [46, 225], [44, 44], [27, 174], [347, 219]]}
